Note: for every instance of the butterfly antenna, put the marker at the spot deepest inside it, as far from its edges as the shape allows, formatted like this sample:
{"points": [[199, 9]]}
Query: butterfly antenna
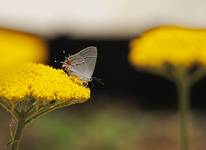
{"points": [[56, 62], [98, 80], [64, 52]]}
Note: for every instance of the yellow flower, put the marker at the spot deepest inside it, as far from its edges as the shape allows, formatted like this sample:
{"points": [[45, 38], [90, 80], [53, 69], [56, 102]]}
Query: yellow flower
{"points": [[32, 90], [175, 45], [18, 47], [42, 83]]}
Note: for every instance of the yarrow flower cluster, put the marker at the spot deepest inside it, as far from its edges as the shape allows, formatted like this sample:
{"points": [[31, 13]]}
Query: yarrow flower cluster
{"points": [[30, 90], [42, 83], [175, 45]]}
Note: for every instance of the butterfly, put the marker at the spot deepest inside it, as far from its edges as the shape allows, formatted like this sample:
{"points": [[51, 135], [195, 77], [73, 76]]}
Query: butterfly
{"points": [[81, 64]]}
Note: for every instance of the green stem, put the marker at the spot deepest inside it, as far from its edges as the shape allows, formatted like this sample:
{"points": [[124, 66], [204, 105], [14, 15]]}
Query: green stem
{"points": [[8, 108], [183, 86], [34, 116], [18, 134]]}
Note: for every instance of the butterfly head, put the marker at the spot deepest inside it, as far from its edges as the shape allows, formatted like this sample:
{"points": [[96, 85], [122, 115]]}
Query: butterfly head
{"points": [[67, 64]]}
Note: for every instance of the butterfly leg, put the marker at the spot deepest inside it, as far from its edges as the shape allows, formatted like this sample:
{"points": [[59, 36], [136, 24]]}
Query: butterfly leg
{"points": [[66, 69]]}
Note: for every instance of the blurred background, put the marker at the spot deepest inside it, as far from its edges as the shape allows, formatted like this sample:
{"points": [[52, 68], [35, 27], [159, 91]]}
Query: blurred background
{"points": [[134, 109]]}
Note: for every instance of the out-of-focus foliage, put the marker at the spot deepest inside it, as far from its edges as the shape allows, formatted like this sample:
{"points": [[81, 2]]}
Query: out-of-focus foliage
{"points": [[96, 130], [106, 127]]}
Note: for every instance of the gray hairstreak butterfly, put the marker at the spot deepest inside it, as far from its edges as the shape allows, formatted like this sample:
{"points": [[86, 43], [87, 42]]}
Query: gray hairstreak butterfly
{"points": [[81, 64]]}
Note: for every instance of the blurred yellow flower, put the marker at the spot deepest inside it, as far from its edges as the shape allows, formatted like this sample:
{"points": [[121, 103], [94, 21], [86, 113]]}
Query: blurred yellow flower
{"points": [[175, 45], [18, 47], [41, 82]]}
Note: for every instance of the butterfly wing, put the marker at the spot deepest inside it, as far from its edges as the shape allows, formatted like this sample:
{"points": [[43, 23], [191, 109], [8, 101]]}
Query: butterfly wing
{"points": [[83, 63], [90, 56]]}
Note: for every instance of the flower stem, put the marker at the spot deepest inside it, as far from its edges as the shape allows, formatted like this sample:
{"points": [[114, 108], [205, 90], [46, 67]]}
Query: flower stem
{"points": [[18, 134], [183, 87]]}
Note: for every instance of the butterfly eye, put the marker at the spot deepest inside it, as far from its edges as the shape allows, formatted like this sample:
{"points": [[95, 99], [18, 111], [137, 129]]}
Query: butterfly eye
{"points": [[69, 61]]}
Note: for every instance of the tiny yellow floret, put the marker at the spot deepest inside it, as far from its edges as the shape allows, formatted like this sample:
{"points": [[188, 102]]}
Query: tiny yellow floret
{"points": [[175, 45], [41, 82]]}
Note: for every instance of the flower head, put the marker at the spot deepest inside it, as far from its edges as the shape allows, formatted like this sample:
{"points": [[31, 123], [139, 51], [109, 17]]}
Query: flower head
{"points": [[16, 46], [177, 46], [32, 90], [42, 83]]}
